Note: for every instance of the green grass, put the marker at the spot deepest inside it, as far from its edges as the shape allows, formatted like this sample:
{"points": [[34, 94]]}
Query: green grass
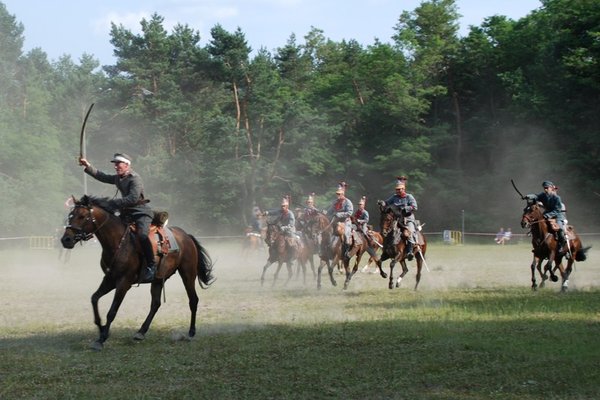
{"points": [[469, 332]]}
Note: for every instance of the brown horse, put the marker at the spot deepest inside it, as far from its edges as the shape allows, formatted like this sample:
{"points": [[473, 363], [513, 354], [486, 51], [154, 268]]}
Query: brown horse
{"points": [[252, 242], [122, 260], [329, 245], [395, 235], [280, 252], [363, 243], [545, 247]]}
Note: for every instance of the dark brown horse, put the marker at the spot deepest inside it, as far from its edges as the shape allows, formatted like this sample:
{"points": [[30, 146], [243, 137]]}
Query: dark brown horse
{"points": [[395, 235], [281, 252], [330, 249], [545, 247], [122, 261]]}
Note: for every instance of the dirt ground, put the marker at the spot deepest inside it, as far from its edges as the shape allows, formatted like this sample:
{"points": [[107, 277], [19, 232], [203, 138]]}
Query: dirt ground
{"points": [[40, 291]]}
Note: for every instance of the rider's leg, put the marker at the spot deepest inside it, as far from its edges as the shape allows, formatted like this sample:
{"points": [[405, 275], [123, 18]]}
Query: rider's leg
{"points": [[410, 241], [143, 226]]}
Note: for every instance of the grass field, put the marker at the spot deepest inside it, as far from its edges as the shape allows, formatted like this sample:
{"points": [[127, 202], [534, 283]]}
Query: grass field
{"points": [[474, 330]]}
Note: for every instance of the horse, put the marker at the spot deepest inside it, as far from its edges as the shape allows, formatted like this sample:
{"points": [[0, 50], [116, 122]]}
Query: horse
{"points": [[545, 247], [309, 239], [330, 246], [279, 252], [252, 242], [361, 244], [395, 235], [122, 261]]}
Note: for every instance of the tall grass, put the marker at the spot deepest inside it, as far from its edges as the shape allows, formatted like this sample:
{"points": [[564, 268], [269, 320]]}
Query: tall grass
{"points": [[474, 330]]}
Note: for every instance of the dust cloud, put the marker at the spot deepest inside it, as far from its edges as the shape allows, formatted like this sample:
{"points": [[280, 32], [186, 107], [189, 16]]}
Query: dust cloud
{"points": [[41, 293]]}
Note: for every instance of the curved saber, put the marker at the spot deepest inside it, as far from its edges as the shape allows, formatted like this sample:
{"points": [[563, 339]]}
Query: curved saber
{"points": [[515, 186], [81, 136]]}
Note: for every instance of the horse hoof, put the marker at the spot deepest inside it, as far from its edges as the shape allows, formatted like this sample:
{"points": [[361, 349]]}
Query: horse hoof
{"points": [[383, 275], [139, 336], [554, 278], [97, 345]]}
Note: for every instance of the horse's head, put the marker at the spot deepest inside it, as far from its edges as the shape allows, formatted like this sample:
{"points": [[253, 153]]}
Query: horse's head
{"points": [[273, 233], [386, 220], [532, 214], [316, 224], [84, 220]]}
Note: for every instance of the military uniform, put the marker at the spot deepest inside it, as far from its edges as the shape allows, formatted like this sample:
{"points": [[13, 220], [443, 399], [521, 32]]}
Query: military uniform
{"points": [[132, 204], [407, 204], [553, 208]]}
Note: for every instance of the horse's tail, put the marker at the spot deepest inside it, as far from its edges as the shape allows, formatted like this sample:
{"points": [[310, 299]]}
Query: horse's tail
{"points": [[205, 265], [581, 254]]}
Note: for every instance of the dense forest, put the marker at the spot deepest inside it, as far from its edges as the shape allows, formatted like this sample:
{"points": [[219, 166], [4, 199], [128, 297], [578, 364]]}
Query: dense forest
{"points": [[216, 127]]}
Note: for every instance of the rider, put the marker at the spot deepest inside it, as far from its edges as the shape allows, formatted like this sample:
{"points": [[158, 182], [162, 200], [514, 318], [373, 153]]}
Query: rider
{"points": [[554, 208], [361, 219], [309, 211], [407, 204], [340, 211], [256, 222], [132, 202], [286, 221]]}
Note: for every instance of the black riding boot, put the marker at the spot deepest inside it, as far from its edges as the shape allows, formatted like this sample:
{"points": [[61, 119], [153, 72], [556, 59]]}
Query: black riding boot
{"points": [[147, 274], [562, 242], [409, 250]]}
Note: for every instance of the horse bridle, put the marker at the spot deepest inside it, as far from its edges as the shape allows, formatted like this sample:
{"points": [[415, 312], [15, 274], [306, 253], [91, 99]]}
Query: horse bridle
{"points": [[80, 233], [528, 219]]}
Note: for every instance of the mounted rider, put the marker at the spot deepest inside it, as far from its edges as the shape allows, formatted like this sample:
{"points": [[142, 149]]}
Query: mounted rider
{"points": [[308, 212], [285, 219], [340, 211], [554, 209], [131, 204], [406, 203], [361, 219]]}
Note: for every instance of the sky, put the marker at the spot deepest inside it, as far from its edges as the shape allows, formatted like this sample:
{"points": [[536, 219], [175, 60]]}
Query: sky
{"points": [[75, 27]]}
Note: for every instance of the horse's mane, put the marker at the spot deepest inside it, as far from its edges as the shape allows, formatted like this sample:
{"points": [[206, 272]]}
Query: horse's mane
{"points": [[102, 202], [394, 209]]}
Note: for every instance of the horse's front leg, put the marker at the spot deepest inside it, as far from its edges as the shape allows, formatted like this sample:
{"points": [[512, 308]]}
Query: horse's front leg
{"points": [[290, 268], [391, 281], [105, 286], [379, 264], [120, 291], [533, 266], [404, 272], [155, 291], [262, 277], [279, 264]]}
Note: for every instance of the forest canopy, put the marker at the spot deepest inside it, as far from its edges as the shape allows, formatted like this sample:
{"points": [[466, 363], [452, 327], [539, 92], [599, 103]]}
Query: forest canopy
{"points": [[215, 128]]}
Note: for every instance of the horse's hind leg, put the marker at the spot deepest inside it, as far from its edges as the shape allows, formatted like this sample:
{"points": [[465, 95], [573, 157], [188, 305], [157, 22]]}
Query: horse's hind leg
{"points": [[419, 267], [155, 290]]}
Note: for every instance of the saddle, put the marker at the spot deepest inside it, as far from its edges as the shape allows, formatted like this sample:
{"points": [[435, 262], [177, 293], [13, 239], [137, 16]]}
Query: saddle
{"points": [[162, 239]]}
